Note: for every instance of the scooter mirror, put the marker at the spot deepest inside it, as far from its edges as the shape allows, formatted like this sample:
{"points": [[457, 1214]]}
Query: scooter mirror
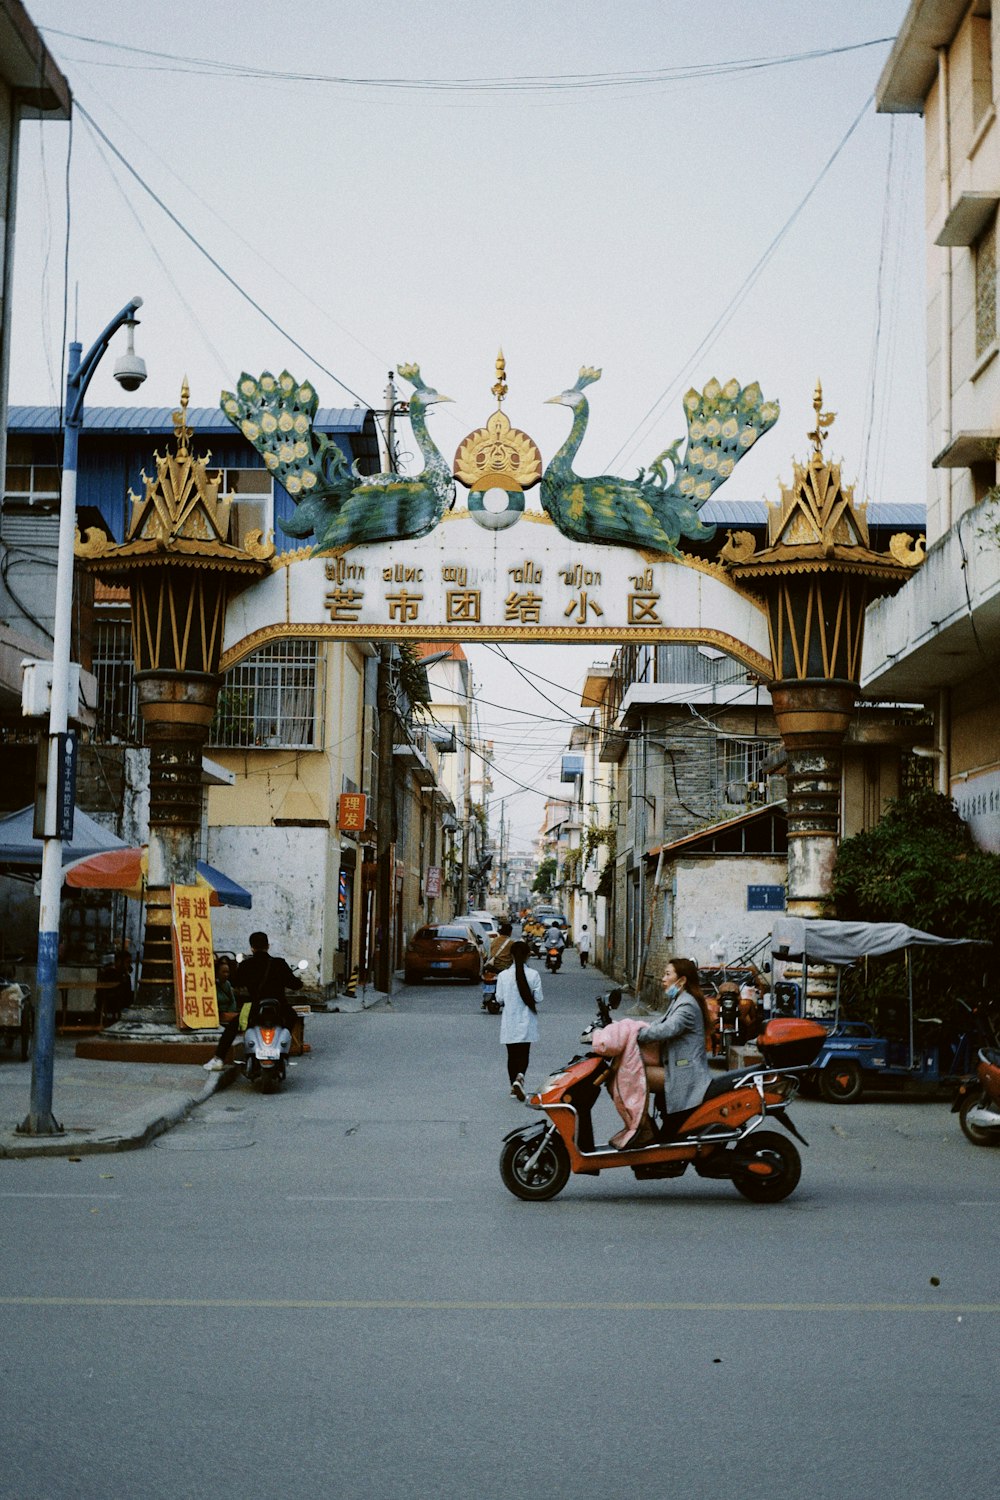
{"points": [[615, 999]]}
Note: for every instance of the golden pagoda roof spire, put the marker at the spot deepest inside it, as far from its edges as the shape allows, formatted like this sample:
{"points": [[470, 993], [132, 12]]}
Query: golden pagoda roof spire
{"points": [[818, 525], [182, 431], [180, 513], [824, 421], [500, 389]]}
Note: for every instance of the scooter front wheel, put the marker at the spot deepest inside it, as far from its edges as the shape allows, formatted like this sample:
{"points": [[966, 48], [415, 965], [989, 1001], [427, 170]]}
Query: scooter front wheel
{"points": [[767, 1167], [534, 1180]]}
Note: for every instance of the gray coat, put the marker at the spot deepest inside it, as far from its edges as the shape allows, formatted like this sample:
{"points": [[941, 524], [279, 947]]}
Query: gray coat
{"points": [[682, 1030]]}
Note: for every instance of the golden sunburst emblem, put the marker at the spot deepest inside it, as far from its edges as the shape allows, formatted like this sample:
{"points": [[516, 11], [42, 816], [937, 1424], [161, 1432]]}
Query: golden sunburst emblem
{"points": [[497, 463], [496, 454]]}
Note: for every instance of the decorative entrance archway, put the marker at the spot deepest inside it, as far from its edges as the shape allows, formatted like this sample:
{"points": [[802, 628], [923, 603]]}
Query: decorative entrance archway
{"points": [[598, 560]]}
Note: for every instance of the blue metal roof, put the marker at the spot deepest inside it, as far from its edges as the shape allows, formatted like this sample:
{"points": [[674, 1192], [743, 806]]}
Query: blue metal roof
{"points": [[754, 513], [157, 419]]}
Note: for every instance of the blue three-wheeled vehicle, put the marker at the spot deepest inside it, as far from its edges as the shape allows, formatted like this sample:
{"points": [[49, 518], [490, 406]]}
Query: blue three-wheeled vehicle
{"points": [[855, 1054]]}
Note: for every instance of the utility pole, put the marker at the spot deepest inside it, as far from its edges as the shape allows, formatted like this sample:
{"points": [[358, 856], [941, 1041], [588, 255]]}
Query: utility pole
{"points": [[385, 820], [392, 405]]}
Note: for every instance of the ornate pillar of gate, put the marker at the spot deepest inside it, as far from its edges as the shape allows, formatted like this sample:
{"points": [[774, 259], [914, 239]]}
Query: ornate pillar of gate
{"points": [[180, 571], [816, 576]]}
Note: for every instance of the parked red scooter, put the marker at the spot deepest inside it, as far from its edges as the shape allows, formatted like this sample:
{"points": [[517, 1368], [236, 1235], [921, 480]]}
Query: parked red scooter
{"points": [[977, 1102], [720, 1138]]}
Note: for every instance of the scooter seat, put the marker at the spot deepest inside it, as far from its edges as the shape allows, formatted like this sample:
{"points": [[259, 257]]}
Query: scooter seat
{"points": [[723, 1082]]}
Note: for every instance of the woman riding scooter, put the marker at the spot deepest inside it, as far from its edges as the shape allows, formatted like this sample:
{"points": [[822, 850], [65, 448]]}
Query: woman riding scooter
{"points": [[685, 1074]]}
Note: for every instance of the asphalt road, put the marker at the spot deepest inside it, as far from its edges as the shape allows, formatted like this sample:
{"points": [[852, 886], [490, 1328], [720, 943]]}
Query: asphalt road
{"points": [[330, 1293]]}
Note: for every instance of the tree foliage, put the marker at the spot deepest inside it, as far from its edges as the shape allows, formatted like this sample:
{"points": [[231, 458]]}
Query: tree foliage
{"points": [[920, 866], [544, 876]]}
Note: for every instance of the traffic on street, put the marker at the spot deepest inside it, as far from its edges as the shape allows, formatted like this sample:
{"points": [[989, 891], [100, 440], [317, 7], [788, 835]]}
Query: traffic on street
{"points": [[329, 1290]]}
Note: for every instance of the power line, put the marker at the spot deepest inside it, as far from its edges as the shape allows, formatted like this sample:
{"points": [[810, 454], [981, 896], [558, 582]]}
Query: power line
{"points": [[511, 84], [249, 244], [738, 297], [211, 258]]}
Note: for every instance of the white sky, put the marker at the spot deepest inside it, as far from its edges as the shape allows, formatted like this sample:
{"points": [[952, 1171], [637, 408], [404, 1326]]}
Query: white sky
{"points": [[609, 227]]}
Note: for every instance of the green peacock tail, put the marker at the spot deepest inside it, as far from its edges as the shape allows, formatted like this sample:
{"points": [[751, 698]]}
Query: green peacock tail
{"points": [[723, 424], [275, 414]]}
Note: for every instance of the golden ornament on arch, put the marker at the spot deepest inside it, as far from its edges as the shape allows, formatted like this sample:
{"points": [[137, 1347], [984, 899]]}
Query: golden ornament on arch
{"points": [[495, 453]]}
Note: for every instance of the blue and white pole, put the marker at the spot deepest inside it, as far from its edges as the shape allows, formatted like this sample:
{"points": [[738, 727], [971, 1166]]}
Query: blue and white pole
{"points": [[40, 1120]]}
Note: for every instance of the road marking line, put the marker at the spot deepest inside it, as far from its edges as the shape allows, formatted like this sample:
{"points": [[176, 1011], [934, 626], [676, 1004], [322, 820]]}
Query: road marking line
{"points": [[334, 1198], [389, 1304], [60, 1195]]}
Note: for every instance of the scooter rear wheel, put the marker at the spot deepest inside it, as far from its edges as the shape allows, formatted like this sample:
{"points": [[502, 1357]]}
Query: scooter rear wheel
{"points": [[767, 1168], [976, 1133], [547, 1177]]}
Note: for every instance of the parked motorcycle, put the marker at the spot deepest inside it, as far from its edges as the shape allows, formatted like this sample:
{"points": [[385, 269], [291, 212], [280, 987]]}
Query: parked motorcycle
{"points": [[17, 1016], [721, 1138], [266, 1047], [977, 1102], [553, 958], [491, 1004]]}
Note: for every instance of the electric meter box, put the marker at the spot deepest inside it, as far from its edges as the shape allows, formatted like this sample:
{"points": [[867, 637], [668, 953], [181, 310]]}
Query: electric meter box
{"points": [[36, 689]]}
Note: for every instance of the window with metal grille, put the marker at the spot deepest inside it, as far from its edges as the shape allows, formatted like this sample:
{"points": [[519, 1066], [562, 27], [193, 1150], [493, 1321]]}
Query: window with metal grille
{"points": [[986, 288], [269, 700], [118, 717], [741, 769]]}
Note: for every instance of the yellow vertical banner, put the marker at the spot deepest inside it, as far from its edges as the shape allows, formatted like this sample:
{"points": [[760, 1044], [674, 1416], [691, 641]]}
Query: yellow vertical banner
{"points": [[194, 959]]}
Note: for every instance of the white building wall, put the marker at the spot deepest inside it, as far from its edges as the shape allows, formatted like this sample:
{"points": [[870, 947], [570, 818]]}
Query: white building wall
{"points": [[287, 869], [711, 923]]}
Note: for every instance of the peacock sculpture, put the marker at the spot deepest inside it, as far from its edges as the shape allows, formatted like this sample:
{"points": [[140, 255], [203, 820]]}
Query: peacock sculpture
{"points": [[656, 508], [333, 502]]}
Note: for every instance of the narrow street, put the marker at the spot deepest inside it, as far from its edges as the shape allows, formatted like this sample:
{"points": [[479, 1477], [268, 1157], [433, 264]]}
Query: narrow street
{"points": [[329, 1292]]}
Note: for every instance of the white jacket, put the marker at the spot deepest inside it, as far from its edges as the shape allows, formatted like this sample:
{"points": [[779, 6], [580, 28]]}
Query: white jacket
{"points": [[518, 1023]]}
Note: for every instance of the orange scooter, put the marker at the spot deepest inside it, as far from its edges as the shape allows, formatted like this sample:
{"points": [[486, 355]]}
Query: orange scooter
{"points": [[720, 1138]]}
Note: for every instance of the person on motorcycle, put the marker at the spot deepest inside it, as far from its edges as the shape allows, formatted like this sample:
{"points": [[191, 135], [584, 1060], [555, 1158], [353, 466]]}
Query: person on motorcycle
{"points": [[681, 1033], [500, 957], [264, 977], [554, 939]]}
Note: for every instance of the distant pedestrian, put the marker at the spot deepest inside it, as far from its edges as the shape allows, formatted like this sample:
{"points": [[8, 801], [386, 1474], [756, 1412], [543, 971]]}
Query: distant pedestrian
{"points": [[519, 989], [583, 946]]}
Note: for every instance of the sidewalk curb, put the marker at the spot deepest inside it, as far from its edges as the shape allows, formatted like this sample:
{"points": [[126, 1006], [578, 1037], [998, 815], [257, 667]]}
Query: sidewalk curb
{"points": [[144, 1130]]}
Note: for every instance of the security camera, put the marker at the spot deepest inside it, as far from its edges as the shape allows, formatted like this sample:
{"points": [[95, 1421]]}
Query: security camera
{"points": [[130, 372], [130, 369]]}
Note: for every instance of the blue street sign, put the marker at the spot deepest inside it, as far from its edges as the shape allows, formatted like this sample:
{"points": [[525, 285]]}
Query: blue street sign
{"points": [[66, 786], [765, 898]]}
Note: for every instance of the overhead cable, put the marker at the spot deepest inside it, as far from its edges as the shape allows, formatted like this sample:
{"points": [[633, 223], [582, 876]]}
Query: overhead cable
{"points": [[528, 83]]}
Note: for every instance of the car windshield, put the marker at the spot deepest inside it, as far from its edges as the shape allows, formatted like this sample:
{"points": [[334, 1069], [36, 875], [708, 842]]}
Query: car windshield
{"points": [[443, 932]]}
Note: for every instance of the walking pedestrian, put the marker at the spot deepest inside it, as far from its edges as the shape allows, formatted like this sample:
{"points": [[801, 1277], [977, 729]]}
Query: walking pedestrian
{"points": [[583, 946], [519, 989]]}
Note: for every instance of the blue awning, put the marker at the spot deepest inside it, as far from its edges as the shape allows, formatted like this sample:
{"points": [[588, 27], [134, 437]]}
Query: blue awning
{"points": [[227, 890]]}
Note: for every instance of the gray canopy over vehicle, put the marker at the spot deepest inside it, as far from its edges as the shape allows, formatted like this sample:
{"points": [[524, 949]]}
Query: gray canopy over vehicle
{"points": [[831, 942]]}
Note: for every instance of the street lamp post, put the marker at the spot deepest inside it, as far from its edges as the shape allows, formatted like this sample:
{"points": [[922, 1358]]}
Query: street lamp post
{"points": [[131, 372]]}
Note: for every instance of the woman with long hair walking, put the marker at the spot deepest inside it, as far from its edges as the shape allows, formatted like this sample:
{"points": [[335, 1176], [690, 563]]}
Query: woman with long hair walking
{"points": [[519, 989]]}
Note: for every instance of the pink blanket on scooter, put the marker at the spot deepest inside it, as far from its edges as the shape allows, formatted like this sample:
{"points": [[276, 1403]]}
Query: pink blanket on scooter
{"points": [[628, 1082]]}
